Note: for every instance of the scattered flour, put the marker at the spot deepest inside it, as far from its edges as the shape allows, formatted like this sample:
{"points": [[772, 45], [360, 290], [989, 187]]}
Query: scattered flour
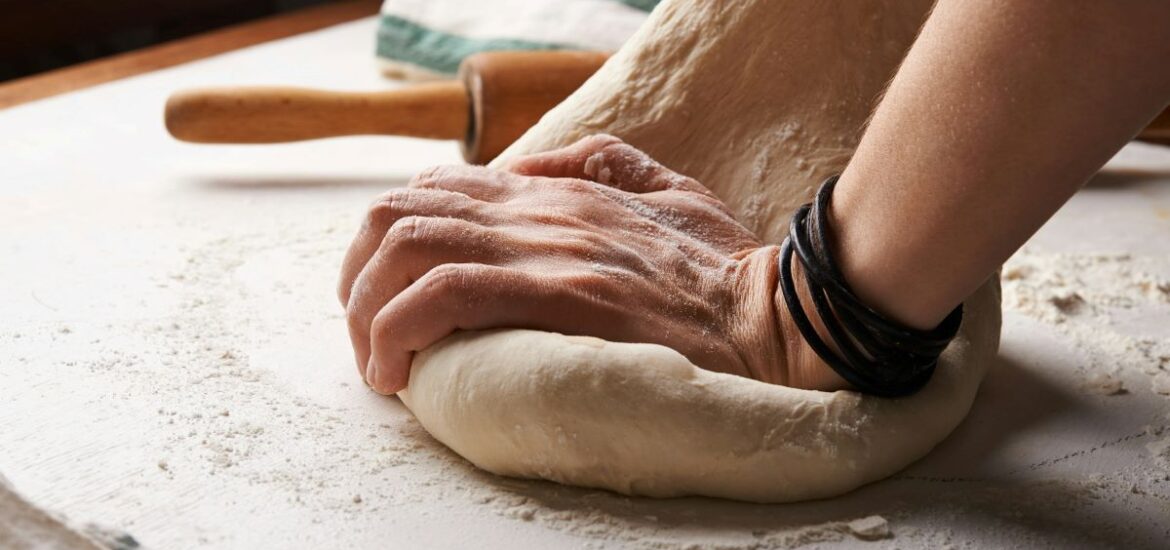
{"points": [[222, 416], [1103, 383], [1085, 297], [1160, 452], [1161, 383]]}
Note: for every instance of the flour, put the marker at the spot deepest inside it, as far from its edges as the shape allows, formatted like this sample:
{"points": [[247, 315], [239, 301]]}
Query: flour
{"points": [[1103, 383], [1086, 297], [229, 417], [1160, 452], [1161, 383], [202, 360]]}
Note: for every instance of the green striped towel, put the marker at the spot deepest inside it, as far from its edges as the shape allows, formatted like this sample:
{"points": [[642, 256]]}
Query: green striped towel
{"points": [[427, 39]]}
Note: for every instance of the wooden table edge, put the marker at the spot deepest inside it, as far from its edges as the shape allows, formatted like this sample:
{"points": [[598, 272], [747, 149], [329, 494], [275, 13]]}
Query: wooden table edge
{"points": [[183, 50]]}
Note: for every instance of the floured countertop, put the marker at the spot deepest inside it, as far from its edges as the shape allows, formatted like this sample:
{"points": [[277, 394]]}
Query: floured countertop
{"points": [[173, 361]]}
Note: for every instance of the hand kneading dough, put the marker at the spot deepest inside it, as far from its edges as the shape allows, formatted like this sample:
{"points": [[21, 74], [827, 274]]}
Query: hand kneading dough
{"points": [[760, 100]]}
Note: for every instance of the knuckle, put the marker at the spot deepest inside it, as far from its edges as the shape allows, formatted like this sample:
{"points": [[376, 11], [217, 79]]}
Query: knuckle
{"points": [[381, 330], [594, 284], [591, 281], [577, 245], [433, 175], [353, 318], [583, 243], [387, 207], [409, 231], [445, 278]]}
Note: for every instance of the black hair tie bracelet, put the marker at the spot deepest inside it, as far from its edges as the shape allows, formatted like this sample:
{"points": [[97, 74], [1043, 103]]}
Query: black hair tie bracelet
{"points": [[878, 356]]}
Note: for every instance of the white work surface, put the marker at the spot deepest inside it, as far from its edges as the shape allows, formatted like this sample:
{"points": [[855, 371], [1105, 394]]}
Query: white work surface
{"points": [[173, 361]]}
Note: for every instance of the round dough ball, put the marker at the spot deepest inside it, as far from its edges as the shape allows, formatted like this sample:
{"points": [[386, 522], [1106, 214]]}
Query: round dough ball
{"points": [[640, 419]]}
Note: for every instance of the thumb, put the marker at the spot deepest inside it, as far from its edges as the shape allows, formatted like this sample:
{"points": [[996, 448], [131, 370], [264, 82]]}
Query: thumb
{"points": [[609, 161], [566, 162]]}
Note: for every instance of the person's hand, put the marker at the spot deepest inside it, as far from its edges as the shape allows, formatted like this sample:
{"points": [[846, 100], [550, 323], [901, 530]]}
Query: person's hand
{"points": [[595, 239]]}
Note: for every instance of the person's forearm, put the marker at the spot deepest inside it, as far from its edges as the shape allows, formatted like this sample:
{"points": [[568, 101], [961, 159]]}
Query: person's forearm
{"points": [[1001, 110]]}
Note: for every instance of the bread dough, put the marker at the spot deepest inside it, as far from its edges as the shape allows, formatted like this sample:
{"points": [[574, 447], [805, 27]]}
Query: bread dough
{"points": [[760, 100]]}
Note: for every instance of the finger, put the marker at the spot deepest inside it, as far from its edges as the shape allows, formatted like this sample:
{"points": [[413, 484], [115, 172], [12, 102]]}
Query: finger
{"points": [[448, 298], [476, 297], [411, 248], [609, 161], [566, 162], [477, 182], [629, 169], [393, 206]]}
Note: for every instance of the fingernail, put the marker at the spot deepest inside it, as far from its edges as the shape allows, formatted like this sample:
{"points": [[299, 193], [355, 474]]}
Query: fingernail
{"points": [[372, 374], [594, 165]]}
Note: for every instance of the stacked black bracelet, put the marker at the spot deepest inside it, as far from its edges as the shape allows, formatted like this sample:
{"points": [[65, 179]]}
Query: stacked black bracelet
{"points": [[877, 356]]}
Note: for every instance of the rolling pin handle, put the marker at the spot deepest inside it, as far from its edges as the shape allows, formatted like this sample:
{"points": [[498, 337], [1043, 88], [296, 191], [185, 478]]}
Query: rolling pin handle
{"points": [[282, 114]]}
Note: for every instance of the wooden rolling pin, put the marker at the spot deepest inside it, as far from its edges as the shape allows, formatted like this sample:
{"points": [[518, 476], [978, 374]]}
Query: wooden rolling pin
{"points": [[498, 96]]}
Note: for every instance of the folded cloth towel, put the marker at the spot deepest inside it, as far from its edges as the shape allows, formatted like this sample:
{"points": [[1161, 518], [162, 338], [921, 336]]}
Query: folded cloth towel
{"points": [[427, 39]]}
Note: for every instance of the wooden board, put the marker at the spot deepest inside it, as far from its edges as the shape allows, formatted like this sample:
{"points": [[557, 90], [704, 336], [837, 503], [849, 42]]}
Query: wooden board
{"points": [[174, 363], [184, 50]]}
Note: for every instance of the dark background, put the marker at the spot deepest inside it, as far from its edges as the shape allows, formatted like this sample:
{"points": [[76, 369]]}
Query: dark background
{"points": [[40, 35]]}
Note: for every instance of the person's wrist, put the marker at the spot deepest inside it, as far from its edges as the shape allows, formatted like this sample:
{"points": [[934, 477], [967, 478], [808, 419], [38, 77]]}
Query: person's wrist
{"points": [[754, 327], [873, 257], [803, 368]]}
